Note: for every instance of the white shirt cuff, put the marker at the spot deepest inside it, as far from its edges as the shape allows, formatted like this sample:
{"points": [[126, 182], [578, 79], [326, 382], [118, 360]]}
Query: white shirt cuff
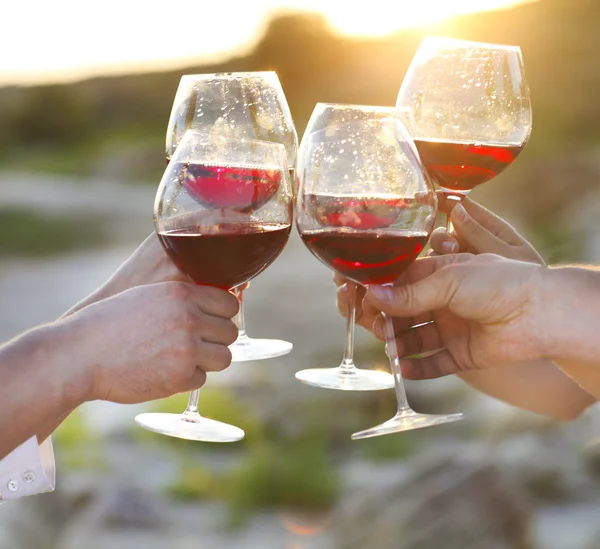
{"points": [[28, 470]]}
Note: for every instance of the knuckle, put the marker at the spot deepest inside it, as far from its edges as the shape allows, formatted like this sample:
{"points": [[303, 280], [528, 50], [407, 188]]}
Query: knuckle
{"points": [[230, 333], [218, 357]]}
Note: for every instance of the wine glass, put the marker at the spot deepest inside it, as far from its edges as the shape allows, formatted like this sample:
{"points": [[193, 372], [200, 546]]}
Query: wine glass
{"points": [[219, 238], [237, 105], [467, 107], [337, 209], [366, 208]]}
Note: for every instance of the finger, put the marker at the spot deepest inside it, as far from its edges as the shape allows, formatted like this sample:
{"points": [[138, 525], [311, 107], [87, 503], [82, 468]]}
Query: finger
{"points": [[492, 223], [213, 357], [475, 235], [214, 301], [433, 366], [216, 329], [422, 339], [338, 279], [430, 292], [196, 380], [442, 242]]}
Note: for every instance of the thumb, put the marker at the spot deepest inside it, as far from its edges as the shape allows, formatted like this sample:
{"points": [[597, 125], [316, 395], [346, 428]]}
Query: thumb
{"points": [[429, 294], [475, 235]]}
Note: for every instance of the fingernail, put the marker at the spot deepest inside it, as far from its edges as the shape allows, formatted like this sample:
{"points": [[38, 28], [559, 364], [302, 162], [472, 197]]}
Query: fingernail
{"points": [[345, 288], [450, 247], [382, 293], [460, 213]]}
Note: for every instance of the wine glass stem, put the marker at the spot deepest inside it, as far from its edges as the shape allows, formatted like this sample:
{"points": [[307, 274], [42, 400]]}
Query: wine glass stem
{"points": [[348, 359], [392, 352], [192, 407], [240, 321]]}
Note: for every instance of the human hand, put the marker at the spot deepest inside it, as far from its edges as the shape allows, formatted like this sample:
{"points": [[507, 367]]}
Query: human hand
{"points": [[478, 231], [148, 264], [487, 312], [153, 341]]}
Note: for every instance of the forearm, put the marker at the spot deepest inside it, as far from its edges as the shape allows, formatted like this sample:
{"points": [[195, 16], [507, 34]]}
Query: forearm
{"points": [[539, 387], [101, 293], [39, 379], [570, 304]]}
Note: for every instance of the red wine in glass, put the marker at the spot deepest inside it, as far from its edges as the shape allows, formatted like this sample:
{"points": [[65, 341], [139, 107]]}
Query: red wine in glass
{"points": [[225, 255], [366, 256], [240, 188], [463, 166], [374, 212]]}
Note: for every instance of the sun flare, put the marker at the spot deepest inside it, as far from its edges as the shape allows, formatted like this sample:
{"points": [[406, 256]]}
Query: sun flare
{"points": [[61, 44], [384, 16]]}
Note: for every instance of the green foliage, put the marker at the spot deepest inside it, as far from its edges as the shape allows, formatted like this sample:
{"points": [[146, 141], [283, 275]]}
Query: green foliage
{"points": [[54, 115], [558, 244], [77, 444], [388, 448], [25, 232], [295, 473], [195, 482]]}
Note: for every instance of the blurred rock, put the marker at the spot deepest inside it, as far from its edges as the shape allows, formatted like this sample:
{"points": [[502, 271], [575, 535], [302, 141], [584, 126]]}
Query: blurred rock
{"points": [[115, 512], [33, 522], [463, 503], [567, 527], [546, 465]]}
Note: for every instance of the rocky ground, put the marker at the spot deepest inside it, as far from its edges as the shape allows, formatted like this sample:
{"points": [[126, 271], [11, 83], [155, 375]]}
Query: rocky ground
{"points": [[501, 479]]}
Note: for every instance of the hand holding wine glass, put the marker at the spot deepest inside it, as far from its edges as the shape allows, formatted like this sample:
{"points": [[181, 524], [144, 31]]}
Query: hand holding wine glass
{"points": [[366, 208], [215, 245], [467, 107], [238, 105]]}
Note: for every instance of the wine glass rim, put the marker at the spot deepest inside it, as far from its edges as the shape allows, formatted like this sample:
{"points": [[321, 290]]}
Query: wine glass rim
{"points": [[231, 75], [351, 106], [471, 43]]}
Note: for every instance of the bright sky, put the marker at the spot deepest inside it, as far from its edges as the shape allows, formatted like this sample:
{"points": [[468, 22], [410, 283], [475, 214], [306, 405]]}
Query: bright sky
{"points": [[61, 40]]}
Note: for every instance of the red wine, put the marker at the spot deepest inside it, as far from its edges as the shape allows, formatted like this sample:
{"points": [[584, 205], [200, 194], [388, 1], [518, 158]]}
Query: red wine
{"points": [[463, 166], [241, 188], [225, 255], [373, 212], [369, 257]]}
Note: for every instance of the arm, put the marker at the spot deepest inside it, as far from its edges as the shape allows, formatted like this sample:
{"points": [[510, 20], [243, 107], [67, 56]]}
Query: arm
{"points": [[148, 264], [163, 338], [39, 380], [538, 387], [492, 312]]}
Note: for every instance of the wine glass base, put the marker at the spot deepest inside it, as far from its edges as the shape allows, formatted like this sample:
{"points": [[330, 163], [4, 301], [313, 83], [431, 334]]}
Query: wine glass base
{"points": [[192, 427], [407, 421], [248, 349], [343, 379]]}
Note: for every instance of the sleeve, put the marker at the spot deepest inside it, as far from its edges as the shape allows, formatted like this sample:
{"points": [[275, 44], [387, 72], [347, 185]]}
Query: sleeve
{"points": [[28, 470]]}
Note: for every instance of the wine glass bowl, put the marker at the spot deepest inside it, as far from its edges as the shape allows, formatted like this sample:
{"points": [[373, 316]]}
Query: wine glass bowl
{"points": [[365, 208], [467, 107], [236, 106], [216, 241]]}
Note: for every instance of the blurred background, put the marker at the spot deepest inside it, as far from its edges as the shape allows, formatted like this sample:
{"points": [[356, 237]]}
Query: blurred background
{"points": [[85, 99]]}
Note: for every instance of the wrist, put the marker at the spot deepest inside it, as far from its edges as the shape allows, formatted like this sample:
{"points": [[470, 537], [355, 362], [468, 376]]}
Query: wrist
{"points": [[70, 362], [569, 301]]}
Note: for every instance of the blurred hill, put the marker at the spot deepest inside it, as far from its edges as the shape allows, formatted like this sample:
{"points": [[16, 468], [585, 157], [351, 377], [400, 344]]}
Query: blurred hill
{"points": [[114, 127]]}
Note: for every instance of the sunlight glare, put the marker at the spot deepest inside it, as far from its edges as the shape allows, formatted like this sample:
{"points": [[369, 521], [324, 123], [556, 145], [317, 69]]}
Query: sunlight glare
{"points": [[384, 17]]}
